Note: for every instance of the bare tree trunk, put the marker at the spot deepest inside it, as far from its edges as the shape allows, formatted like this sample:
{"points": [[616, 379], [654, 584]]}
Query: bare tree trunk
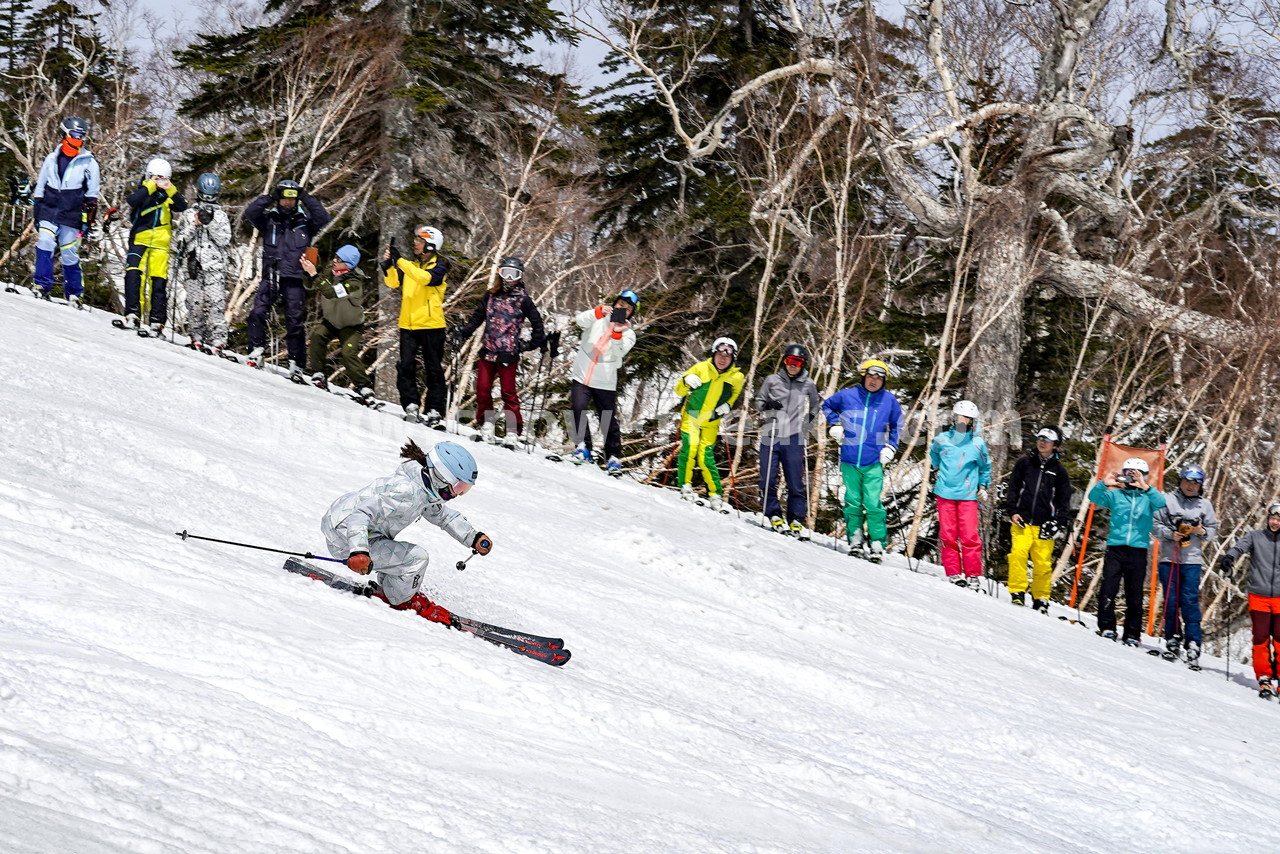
{"points": [[997, 309], [396, 169]]}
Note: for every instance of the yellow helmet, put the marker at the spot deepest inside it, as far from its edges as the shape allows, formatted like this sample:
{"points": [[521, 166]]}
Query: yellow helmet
{"points": [[874, 367]]}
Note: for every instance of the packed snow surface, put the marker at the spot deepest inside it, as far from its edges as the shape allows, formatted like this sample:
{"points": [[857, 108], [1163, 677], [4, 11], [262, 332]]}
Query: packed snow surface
{"points": [[730, 690]]}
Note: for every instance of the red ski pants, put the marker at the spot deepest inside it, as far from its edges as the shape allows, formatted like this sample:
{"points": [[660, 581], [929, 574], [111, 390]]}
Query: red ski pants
{"points": [[1264, 612], [506, 374], [958, 530]]}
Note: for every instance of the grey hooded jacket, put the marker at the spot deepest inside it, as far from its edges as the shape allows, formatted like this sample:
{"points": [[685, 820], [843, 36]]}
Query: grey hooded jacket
{"points": [[386, 507], [1263, 548], [1180, 508], [793, 421]]}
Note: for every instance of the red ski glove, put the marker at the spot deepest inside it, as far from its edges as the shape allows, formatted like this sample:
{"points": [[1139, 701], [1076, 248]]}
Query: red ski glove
{"points": [[482, 544], [359, 563]]}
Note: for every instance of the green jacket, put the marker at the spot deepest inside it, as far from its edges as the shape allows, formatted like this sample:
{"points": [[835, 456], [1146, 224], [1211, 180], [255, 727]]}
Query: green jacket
{"points": [[341, 311]]}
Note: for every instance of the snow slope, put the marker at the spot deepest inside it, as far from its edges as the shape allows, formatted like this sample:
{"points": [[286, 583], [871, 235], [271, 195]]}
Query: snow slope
{"points": [[730, 690]]}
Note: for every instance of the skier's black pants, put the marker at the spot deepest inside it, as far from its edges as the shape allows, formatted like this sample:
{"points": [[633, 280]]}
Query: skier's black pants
{"points": [[295, 334], [606, 402], [790, 455], [1127, 563], [136, 264], [429, 342]]}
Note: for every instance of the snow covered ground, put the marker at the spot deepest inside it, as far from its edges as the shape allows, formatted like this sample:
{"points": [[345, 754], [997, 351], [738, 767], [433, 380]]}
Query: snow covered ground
{"points": [[730, 690]]}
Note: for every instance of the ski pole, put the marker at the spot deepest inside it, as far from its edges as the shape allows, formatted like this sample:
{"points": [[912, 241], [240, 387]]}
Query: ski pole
{"points": [[186, 536], [462, 564]]}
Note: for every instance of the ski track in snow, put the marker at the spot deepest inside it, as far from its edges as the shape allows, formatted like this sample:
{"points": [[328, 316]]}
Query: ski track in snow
{"points": [[730, 690]]}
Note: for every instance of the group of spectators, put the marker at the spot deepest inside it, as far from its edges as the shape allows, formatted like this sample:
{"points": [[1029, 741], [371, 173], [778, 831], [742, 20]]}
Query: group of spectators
{"points": [[168, 237]]}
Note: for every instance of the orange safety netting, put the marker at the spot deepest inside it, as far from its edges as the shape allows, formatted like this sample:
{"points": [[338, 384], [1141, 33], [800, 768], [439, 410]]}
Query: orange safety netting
{"points": [[1110, 458]]}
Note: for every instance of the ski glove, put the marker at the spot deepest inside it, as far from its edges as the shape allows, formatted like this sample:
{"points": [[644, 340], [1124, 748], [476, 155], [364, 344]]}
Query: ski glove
{"points": [[770, 404], [692, 381], [982, 494], [1049, 530], [90, 209], [722, 410], [482, 544], [1225, 563], [359, 563], [886, 455], [836, 432]]}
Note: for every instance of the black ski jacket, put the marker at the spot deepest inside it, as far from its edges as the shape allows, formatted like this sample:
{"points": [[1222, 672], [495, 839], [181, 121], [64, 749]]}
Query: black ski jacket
{"points": [[1039, 490]]}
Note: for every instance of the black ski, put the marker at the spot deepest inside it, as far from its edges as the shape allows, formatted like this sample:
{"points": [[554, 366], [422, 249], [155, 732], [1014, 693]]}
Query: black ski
{"points": [[545, 649]]}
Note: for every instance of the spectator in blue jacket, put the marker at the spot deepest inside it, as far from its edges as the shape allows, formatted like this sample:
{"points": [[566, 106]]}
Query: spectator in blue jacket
{"points": [[865, 420], [66, 206], [1133, 503]]}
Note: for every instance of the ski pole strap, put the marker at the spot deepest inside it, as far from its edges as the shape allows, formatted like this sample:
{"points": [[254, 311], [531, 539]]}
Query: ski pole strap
{"points": [[308, 555]]}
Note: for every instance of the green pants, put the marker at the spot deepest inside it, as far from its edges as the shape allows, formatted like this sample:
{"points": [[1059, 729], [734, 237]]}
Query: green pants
{"points": [[862, 486], [349, 338], [698, 450]]}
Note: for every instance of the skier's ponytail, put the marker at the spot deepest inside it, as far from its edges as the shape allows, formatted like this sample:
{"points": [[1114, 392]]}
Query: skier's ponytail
{"points": [[411, 451]]}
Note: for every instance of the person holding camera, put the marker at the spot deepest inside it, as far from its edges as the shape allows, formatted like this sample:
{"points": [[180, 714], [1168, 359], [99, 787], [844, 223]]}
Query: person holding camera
{"points": [[289, 220], [65, 199], [709, 388], [1133, 504], [341, 317], [865, 420], [199, 260], [422, 281], [788, 402], [146, 274], [607, 338], [1038, 503], [1262, 545], [503, 310], [1182, 527]]}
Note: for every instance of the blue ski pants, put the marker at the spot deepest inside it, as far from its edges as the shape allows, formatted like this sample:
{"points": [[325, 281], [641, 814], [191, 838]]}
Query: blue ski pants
{"points": [[1181, 598]]}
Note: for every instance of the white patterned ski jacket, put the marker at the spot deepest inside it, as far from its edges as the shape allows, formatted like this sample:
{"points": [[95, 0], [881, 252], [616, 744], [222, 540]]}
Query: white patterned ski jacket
{"points": [[387, 506]]}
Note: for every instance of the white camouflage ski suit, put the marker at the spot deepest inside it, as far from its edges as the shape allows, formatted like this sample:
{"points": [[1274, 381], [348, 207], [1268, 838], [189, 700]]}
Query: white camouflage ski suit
{"points": [[369, 519], [206, 292]]}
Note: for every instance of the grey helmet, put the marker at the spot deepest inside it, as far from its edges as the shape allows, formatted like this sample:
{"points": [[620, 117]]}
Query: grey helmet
{"points": [[208, 186], [75, 127]]}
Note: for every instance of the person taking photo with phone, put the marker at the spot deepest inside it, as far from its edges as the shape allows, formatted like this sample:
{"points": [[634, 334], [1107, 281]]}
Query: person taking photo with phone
{"points": [[607, 338]]}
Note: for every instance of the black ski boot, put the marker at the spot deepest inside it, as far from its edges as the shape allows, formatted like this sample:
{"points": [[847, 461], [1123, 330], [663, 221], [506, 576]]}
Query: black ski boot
{"points": [[1019, 599]]}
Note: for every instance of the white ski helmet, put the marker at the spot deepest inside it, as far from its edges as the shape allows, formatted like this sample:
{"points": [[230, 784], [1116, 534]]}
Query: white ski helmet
{"points": [[433, 237], [725, 342], [1136, 464], [967, 408], [159, 166]]}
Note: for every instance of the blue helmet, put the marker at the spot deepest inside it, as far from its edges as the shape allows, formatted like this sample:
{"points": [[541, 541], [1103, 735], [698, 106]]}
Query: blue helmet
{"points": [[349, 256], [450, 470], [631, 297], [1191, 471]]}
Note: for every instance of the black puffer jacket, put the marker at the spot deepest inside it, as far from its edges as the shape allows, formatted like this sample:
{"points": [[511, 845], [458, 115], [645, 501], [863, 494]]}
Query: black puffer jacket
{"points": [[1039, 490]]}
